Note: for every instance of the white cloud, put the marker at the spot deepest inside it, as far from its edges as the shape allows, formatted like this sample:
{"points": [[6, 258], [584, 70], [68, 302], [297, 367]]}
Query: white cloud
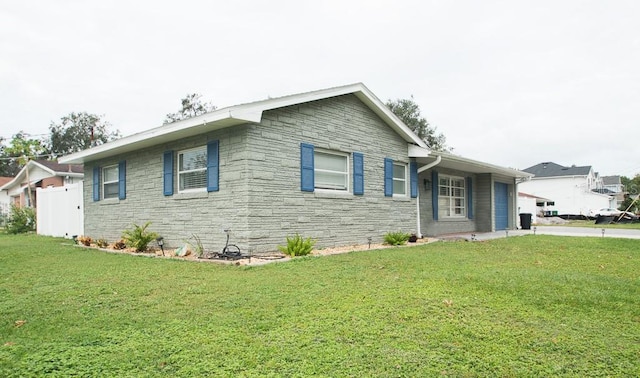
{"points": [[510, 83]]}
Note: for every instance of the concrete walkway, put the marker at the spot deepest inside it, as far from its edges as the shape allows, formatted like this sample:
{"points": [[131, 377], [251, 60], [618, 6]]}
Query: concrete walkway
{"points": [[548, 230]]}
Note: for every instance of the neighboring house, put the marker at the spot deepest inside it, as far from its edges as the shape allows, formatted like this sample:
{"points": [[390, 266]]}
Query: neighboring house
{"points": [[570, 188], [534, 205], [613, 185], [39, 174], [335, 165], [4, 197]]}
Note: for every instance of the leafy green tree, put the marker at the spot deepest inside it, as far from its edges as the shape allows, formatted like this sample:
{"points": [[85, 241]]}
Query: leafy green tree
{"points": [[79, 131], [18, 152], [632, 188], [409, 112], [192, 106]]}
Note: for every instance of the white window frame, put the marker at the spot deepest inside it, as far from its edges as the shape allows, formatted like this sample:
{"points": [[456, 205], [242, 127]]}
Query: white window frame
{"points": [[347, 173], [446, 202], [105, 182], [399, 179], [203, 169]]}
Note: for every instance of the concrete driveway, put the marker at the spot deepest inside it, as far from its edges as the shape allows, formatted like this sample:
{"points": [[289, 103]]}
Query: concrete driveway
{"points": [[549, 230]]}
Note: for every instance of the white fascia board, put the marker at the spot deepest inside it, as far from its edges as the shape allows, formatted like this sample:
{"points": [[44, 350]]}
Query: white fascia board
{"points": [[481, 166], [236, 115], [210, 121], [417, 151], [359, 90]]}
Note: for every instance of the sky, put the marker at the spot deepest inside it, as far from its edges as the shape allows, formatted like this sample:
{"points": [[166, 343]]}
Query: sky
{"points": [[511, 83]]}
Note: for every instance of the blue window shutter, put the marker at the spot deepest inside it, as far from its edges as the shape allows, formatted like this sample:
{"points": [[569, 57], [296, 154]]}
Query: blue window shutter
{"points": [[168, 173], [413, 173], [435, 187], [307, 176], [122, 180], [213, 166], [469, 198], [96, 183], [358, 173], [388, 177]]}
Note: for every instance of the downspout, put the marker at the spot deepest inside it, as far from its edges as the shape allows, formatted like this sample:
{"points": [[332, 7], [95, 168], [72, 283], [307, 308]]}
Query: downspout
{"points": [[420, 170]]}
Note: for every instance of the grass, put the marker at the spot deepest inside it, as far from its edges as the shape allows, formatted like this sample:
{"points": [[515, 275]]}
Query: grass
{"points": [[522, 306]]}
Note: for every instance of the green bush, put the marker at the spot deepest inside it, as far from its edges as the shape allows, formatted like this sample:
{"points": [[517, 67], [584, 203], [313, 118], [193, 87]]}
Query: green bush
{"points": [[102, 243], [396, 238], [297, 246], [138, 237], [21, 220]]}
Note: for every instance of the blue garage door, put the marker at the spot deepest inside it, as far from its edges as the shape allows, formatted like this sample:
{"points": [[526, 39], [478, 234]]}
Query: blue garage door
{"points": [[502, 205]]}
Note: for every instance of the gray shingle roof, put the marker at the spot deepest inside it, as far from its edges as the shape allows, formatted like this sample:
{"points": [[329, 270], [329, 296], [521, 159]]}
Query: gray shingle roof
{"points": [[550, 169]]}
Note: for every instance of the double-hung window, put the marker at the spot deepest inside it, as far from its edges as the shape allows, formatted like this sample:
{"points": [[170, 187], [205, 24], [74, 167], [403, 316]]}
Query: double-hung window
{"points": [[110, 182], [331, 171], [399, 179], [452, 196], [192, 169]]}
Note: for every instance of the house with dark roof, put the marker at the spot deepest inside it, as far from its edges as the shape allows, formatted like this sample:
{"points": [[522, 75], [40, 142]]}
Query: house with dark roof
{"points": [[21, 190], [573, 190], [334, 164]]}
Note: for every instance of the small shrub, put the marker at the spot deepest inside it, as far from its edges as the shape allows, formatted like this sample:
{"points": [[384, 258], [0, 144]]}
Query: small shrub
{"points": [[396, 238], [84, 240], [21, 220], [198, 247], [120, 244], [138, 237], [297, 246], [102, 243]]}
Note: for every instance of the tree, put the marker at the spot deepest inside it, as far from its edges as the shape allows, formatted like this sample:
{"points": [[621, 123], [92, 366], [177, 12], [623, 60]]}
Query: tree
{"points": [[20, 150], [191, 107], [77, 132], [409, 112], [632, 189]]}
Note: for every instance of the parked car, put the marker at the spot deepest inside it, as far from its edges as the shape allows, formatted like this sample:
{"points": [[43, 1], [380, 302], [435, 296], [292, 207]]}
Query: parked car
{"points": [[618, 214], [605, 212]]}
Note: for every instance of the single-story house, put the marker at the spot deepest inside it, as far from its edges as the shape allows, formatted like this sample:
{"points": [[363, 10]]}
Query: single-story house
{"points": [[335, 165], [39, 174]]}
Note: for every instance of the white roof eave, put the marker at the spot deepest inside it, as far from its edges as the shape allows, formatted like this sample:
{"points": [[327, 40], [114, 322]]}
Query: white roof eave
{"points": [[474, 166], [237, 115]]}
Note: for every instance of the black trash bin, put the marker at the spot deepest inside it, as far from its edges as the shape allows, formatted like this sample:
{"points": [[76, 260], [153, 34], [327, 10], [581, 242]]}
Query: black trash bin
{"points": [[525, 221]]}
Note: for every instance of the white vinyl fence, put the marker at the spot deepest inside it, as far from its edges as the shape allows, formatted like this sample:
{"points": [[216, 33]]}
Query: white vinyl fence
{"points": [[60, 211]]}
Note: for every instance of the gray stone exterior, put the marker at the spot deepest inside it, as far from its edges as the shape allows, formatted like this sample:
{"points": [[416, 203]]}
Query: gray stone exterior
{"points": [[483, 205], [260, 197]]}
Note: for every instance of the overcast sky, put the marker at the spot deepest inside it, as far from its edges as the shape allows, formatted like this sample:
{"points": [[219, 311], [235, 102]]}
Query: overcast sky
{"points": [[512, 83]]}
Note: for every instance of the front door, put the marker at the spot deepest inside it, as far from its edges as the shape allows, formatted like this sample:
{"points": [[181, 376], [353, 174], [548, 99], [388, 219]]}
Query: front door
{"points": [[501, 191]]}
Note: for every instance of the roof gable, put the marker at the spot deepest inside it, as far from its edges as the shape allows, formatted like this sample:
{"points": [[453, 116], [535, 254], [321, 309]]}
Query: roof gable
{"points": [[550, 169], [238, 115], [43, 168]]}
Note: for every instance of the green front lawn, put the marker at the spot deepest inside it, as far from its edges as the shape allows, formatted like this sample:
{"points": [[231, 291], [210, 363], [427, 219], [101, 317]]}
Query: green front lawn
{"points": [[522, 306]]}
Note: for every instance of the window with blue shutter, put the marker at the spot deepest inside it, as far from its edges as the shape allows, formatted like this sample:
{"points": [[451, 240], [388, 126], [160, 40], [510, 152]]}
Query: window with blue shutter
{"points": [[413, 174], [213, 166], [168, 173], [122, 180], [307, 176], [469, 198], [388, 177], [435, 187], [358, 173], [96, 183]]}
